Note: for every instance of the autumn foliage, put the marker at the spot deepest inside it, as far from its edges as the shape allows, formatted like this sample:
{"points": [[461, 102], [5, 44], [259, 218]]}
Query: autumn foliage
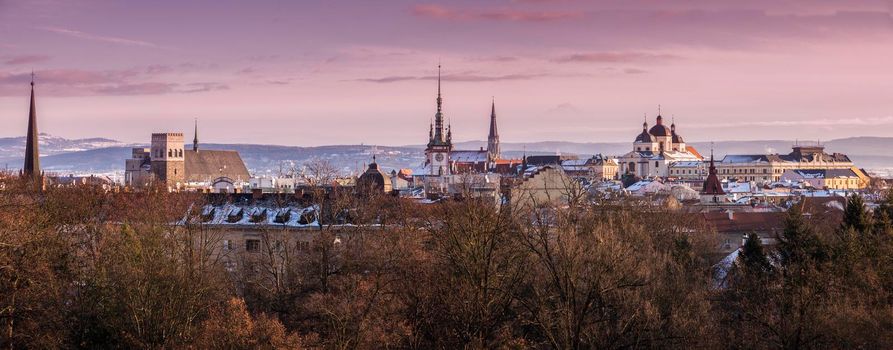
{"points": [[82, 268]]}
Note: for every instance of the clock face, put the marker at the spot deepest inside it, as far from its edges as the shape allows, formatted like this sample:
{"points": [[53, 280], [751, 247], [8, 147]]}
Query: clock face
{"points": [[439, 157]]}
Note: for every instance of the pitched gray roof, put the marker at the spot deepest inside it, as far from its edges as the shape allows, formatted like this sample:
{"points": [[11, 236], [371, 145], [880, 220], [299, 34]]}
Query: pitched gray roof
{"points": [[207, 165]]}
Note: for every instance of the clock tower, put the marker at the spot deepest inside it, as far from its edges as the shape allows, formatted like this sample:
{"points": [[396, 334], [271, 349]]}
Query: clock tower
{"points": [[437, 154]]}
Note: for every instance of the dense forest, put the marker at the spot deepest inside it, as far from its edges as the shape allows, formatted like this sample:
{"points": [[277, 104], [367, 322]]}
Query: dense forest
{"points": [[84, 268]]}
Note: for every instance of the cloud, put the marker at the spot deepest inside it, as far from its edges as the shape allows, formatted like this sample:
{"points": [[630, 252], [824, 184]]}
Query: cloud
{"points": [[441, 12], [812, 122], [201, 87], [77, 82], [615, 57], [107, 39], [464, 77], [136, 89], [495, 59], [247, 70], [25, 59], [634, 71]]}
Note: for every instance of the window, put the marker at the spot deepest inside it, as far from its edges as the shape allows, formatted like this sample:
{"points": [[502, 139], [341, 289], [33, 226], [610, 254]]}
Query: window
{"points": [[227, 245], [252, 245], [656, 164], [170, 153], [303, 246]]}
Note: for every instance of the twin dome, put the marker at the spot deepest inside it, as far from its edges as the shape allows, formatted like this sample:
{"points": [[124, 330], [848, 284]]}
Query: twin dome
{"points": [[658, 130]]}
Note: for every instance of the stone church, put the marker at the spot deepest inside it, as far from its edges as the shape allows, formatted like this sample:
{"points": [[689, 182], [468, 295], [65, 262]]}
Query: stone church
{"points": [[168, 162]]}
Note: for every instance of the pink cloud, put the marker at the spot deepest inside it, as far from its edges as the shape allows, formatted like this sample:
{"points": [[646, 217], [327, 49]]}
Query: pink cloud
{"points": [[615, 57], [440, 12], [77, 82], [107, 39], [25, 59], [463, 77]]}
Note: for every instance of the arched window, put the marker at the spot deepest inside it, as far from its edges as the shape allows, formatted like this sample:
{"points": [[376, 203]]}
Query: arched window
{"points": [[170, 153]]}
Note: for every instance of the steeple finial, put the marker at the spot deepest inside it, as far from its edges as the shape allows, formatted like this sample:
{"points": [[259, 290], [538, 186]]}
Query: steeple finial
{"points": [[32, 78]]}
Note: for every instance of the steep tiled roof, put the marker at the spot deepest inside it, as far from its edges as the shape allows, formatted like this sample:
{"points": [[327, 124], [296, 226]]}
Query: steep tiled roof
{"points": [[207, 165]]}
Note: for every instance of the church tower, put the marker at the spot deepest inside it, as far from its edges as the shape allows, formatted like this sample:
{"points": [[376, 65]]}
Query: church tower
{"points": [[32, 154], [437, 153], [168, 161], [493, 137]]}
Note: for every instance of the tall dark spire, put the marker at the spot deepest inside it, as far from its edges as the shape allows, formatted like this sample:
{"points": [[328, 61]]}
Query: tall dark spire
{"points": [[32, 154], [195, 139], [493, 137], [712, 185], [438, 117]]}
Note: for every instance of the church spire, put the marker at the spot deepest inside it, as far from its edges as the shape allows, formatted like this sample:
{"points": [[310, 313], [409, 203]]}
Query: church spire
{"points": [[438, 117], [32, 154], [712, 185], [493, 137], [195, 139]]}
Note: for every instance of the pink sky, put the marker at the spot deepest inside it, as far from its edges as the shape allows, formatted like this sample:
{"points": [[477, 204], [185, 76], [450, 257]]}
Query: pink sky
{"points": [[348, 72]]}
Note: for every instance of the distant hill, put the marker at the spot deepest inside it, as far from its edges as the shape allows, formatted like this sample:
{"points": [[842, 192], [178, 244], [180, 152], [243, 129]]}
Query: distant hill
{"points": [[101, 155]]}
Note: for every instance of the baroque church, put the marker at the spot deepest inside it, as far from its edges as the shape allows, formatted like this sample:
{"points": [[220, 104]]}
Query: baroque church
{"points": [[655, 150]]}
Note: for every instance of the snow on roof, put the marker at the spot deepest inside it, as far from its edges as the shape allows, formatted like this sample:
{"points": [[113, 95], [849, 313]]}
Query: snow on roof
{"points": [[248, 215], [686, 164], [468, 156], [824, 173], [739, 187], [743, 158], [723, 267]]}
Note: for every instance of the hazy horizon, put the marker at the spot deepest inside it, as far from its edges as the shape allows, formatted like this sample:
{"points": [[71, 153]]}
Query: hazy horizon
{"points": [[316, 73]]}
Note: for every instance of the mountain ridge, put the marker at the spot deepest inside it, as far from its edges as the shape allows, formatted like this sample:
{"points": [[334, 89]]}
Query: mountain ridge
{"points": [[104, 155]]}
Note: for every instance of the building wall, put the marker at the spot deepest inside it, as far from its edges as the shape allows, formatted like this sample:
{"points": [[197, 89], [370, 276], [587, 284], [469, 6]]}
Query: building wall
{"points": [[167, 158], [547, 186], [770, 171]]}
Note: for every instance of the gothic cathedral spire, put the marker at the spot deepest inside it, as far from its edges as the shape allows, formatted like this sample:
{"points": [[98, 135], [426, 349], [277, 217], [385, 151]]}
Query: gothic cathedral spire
{"points": [[493, 137], [32, 154]]}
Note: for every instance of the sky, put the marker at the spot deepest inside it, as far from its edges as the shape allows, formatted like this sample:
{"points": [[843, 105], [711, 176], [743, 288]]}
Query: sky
{"points": [[348, 72]]}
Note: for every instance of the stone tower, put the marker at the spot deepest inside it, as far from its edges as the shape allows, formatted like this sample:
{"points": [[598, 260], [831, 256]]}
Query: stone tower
{"points": [[168, 164]]}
